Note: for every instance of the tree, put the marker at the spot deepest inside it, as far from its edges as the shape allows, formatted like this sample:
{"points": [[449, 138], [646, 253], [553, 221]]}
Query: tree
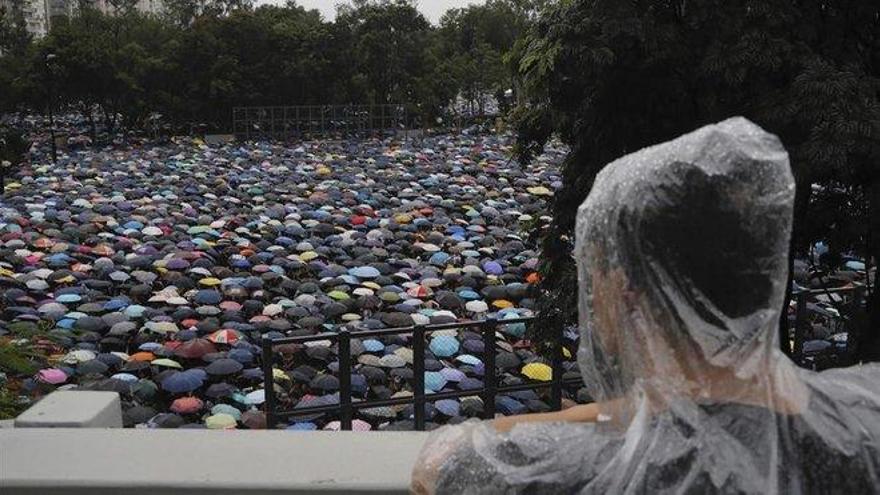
{"points": [[390, 42], [13, 149], [611, 77]]}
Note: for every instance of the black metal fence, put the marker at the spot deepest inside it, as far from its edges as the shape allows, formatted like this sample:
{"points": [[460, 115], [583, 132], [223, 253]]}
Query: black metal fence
{"points": [[487, 328], [346, 406], [283, 122], [856, 295]]}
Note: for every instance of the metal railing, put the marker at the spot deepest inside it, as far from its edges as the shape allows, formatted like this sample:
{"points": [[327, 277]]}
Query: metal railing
{"points": [[283, 122], [346, 407], [801, 321], [487, 328]]}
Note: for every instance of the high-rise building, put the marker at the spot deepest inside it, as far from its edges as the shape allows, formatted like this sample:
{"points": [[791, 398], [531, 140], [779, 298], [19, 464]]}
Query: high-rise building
{"points": [[34, 13], [38, 14]]}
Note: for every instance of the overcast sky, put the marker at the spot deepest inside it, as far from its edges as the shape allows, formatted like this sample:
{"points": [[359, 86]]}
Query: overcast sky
{"points": [[433, 9]]}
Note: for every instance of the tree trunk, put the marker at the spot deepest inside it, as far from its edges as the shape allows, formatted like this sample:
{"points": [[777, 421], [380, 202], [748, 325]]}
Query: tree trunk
{"points": [[803, 190]]}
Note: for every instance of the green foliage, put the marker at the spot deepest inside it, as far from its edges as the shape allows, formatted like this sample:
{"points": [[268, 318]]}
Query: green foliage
{"points": [[18, 359], [611, 77], [13, 151], [10, 403], [202, 57]]}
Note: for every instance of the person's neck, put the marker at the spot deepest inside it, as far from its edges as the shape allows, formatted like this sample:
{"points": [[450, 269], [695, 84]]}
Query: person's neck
{"points": [[773, 383]]}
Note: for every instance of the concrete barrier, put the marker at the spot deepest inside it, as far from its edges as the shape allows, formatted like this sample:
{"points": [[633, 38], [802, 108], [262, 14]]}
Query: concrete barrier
{"points": [[194, 462], [74, 409]]}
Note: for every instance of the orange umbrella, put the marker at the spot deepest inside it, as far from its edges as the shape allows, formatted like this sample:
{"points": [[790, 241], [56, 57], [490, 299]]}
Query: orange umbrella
{"points": [[142, 356], [533, 278], [187, 405]]}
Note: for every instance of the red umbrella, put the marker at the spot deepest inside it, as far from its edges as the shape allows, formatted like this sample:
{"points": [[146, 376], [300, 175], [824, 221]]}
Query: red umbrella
{"points": [[187, 405], [194, 349]]}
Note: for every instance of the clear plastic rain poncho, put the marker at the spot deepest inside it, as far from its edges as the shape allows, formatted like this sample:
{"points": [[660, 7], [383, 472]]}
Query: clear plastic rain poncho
{"points": [[682, 255]]}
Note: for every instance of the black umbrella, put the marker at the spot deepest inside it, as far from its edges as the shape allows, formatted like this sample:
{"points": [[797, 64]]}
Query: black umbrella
{"points": [[224, 366]]}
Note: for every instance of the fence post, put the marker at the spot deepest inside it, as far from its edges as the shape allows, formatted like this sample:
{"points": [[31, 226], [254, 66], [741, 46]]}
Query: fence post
{"points": [[556, 389], [269, 383], [345, 379], [489, 382], [800, 317], [419, 377]]}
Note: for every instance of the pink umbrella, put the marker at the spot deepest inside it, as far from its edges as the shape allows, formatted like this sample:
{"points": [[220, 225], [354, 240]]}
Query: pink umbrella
{"points": [[52, 375]]}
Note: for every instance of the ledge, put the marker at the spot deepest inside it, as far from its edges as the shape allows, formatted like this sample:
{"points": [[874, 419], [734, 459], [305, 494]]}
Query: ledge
{"points": [[135, 462]]}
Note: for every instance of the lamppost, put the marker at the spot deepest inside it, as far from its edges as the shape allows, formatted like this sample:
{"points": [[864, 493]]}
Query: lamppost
{"points": [[49, 89]]}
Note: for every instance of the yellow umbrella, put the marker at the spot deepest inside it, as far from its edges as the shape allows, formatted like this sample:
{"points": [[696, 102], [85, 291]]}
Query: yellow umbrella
{"points": [[220, 421], [540, 191], [209, 281], [308, 256], [168, 363], [502, 304], [338, 295], [538, 371]]}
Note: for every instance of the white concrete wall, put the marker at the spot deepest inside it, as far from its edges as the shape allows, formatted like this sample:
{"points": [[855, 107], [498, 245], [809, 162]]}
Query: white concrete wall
{"points": [[139, 462]]}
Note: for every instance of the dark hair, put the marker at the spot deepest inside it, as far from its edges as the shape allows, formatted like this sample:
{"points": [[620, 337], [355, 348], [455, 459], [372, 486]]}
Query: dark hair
{"points": [[715, 235]]}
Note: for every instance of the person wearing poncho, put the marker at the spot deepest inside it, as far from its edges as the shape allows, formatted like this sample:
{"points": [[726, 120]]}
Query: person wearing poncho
{"points": [[682, 252]]}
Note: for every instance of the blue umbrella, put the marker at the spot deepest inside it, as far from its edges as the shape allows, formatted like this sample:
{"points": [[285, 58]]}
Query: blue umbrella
{"points": [[434, 381], [373, 345], [508, 405], [243, 356], [182, 382], [304, 426], [444, 345], [439, 258], [364, 272], [448, 407], [469, 383]]}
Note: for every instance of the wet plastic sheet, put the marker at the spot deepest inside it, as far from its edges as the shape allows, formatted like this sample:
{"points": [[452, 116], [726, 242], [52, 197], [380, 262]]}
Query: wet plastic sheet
{"points": [[682, 257]]}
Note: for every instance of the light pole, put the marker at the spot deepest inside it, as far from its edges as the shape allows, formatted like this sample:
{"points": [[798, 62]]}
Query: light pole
{"points": [[49, 89]]}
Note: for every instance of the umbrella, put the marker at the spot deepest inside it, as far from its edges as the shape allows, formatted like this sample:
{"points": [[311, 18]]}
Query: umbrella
{"points": [[143, 389], [224, 337], [53, 376], [538, 371], [195, 349], [166, 363], [256, 397], [224, 366], [220, 390], [324, 382], [302, 426], [444, 346], [226, 409], [434, 381], [448, 407], [220, 422], [356, 425], [187, 405], [181, 382], [254, 420], [137, 415]]}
